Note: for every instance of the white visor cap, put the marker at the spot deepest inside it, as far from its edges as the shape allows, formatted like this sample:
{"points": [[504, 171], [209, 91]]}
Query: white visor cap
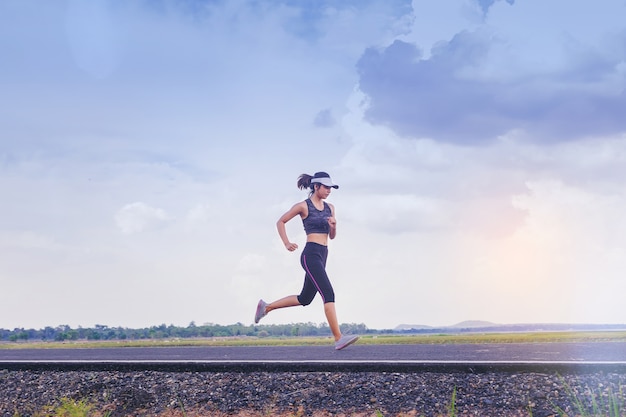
{"points": [[324, 181]]}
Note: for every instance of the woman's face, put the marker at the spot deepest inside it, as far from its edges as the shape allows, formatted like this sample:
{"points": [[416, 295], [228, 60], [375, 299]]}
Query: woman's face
{"points": [[322, 191]]}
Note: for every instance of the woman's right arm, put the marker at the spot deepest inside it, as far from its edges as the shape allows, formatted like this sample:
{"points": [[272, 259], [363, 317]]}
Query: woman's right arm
{"points": [[297, 209]]}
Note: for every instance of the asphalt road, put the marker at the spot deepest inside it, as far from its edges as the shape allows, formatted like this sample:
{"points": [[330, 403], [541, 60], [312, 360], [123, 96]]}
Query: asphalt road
{"points": [[506, 352], [510, 357]]}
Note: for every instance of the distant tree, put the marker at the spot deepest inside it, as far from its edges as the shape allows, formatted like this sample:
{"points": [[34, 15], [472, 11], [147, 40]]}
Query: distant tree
{"points": [[93, 334], [48, 333]]}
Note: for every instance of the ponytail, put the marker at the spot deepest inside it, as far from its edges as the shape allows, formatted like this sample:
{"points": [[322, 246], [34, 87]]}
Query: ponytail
{"points": [[304, 181]]}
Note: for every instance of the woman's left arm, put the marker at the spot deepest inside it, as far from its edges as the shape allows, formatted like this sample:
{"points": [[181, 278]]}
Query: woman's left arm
{"points": [[332, 221]]}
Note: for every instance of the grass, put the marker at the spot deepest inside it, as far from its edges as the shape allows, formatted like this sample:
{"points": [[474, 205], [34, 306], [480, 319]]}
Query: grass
{"points": [[71, 408], [452, 405], [595, 404], [388, 339]]}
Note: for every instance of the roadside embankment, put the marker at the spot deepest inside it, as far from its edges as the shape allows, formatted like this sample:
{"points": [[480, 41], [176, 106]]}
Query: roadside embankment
{"points": [[153, 393]]}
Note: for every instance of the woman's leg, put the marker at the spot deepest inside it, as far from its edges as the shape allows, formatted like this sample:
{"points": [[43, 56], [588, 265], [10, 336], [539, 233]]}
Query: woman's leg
{"points": [[289, 301], [313, 261], [331, 317], [262, 308]]}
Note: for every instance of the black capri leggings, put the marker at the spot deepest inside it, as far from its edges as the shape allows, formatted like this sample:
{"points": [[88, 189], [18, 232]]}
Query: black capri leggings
{"points": [[313, 260]]}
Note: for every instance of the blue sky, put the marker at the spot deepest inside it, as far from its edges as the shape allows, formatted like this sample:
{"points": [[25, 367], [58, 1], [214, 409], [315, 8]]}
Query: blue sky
{"points": [[148, 148]]}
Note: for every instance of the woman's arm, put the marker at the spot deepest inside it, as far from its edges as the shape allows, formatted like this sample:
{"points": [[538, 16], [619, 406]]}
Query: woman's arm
{"points": [[297, 209], [332, 221]]}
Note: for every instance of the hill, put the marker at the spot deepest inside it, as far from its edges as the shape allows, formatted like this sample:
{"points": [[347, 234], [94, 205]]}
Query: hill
{"points": [[486, 326]]}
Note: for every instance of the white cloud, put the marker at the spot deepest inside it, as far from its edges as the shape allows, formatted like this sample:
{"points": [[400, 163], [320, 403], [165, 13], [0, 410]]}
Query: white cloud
{"points": [[399, 213], [251, 263], [29, 240], [138, 217], [200, 213]]}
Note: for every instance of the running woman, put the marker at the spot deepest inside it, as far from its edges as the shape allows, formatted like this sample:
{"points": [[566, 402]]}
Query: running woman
{"points": [[318, 218]]}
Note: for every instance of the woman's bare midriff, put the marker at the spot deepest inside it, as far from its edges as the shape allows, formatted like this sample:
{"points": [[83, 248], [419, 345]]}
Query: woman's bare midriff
{"points": [[319, 238]]}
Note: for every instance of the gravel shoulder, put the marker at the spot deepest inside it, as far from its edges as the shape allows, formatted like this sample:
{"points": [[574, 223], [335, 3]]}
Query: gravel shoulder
{"points": [[152, 393]]}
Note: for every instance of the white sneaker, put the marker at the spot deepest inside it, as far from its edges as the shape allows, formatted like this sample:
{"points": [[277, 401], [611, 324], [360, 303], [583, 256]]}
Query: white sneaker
{"points": [[260, 311], [345, 341]]}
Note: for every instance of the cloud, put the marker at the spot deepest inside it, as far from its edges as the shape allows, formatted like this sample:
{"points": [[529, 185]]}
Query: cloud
{"points": [[478, 85], [397, 214], [324, 118], [28, 240], [202, 114], [199, 214], [251, 263], [138, 217], [486, 4], [422, 186]]}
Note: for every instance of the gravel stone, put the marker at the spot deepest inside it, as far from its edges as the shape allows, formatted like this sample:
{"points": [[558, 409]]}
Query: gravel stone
{"points": [[150, 393]]}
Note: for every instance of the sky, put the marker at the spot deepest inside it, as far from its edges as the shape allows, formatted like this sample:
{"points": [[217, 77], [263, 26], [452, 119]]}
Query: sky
{"points": [[147, 149]]}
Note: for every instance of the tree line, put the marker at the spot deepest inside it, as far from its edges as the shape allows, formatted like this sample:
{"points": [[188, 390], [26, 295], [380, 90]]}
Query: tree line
{"points": [[103, 332]]}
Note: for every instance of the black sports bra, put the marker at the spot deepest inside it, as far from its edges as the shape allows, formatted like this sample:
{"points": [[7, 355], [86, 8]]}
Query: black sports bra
{"points": [[317, 220]]}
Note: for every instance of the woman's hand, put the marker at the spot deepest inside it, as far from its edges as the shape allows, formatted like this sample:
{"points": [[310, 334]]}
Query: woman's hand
{"points": [[332, 222], [291, 246]]}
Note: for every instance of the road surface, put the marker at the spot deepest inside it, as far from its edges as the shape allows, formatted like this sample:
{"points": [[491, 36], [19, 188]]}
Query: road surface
{"points": [[610, 356], [559, 352]]}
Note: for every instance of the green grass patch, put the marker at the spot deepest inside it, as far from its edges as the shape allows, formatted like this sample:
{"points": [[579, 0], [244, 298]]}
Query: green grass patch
{"points": [[390, 339], [593, 404], [71, 408]]}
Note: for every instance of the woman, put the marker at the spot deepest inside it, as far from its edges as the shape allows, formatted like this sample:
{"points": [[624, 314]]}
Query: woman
{"points": [[318, 218]]}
